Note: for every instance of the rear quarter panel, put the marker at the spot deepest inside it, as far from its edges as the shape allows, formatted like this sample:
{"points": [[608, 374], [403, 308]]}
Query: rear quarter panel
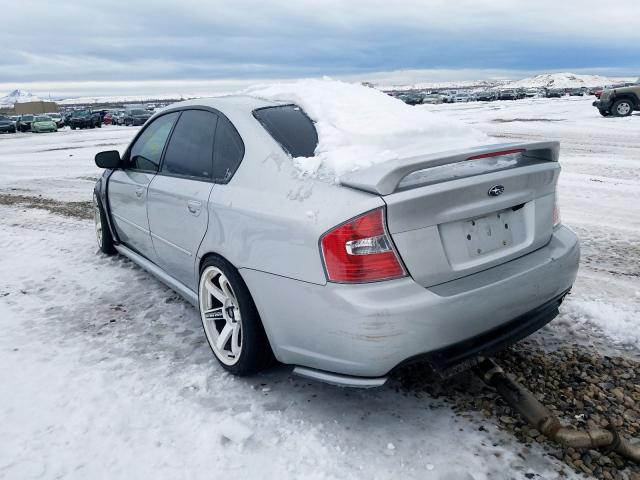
{"points": [[270, 219]]}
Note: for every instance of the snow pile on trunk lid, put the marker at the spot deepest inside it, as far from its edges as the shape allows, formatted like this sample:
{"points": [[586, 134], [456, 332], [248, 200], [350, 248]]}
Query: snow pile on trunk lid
{"points": [[360, 126]]}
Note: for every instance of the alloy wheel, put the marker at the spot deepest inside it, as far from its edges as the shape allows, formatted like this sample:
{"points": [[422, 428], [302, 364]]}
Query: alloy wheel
{"points": [[220, 314], [623, 109]]}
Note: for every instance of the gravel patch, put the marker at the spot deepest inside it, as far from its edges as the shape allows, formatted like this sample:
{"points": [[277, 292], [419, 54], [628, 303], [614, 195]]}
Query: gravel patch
{"points": [[82, 210], [582, 387]]}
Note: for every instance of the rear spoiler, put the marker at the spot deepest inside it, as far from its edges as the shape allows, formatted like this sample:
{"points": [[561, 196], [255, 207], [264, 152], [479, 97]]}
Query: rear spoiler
{"points": [[383, 178]]}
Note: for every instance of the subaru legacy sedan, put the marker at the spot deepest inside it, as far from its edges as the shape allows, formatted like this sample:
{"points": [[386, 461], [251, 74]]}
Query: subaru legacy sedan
{"points": [[438, 257]]}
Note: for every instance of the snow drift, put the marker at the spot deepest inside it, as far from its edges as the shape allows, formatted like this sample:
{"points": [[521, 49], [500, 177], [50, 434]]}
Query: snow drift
{"points": [[360, 126]]}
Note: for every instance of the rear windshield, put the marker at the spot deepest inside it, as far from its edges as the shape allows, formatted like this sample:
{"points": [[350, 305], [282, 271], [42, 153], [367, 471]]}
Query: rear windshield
{"points": [[291, 128]]}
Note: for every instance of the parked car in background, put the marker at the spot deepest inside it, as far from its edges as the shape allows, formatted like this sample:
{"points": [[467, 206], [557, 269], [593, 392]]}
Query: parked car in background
{"points": [[462, 97], [101, 112], [56, 117], [554, 93], [576, 92], [24, 124], [7, 125], [531, 92], [108, 118], [619, 102], [433, 98], [487, 95], [193, 201], [43, 123], [136, 117], [117, 118], [508, 94], [84, 119]]}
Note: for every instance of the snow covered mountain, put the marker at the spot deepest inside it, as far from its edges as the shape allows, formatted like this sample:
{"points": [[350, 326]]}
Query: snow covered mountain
{"points": [[18, 96], [563, 80]]}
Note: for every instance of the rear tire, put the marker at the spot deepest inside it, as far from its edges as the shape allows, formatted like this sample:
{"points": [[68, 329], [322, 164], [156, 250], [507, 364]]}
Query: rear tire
{"points": [[622, 108], [230, 319], [103, 234]]}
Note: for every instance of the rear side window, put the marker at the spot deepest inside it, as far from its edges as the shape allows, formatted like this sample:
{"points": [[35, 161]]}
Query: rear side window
{"points": [[147, 150], [228, 151], [190, 150], [291, 128]]}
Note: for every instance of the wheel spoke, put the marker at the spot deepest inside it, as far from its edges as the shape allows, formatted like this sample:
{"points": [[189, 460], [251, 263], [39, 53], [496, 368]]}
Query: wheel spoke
{"points": [[223, 338], [215, 291], [226, 288], [235, 339]]}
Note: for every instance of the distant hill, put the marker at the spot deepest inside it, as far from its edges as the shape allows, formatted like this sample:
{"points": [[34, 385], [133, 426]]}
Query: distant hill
{"points": [[548, 80], [564, 80], [18, 96]]}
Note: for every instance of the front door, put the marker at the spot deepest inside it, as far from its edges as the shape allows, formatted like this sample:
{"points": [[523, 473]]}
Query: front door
{"points": [[128, 187]]}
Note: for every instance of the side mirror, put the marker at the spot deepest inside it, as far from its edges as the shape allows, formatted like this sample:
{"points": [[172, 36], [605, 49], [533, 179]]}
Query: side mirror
{"points": [[108, 159]]}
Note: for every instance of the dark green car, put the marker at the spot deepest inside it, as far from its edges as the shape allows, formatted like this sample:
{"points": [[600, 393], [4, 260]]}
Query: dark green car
{"points": [[619, 102]]}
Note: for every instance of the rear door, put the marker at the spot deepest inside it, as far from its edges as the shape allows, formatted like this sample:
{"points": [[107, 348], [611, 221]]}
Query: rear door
{"points": [[128, 186], [179, 194]]}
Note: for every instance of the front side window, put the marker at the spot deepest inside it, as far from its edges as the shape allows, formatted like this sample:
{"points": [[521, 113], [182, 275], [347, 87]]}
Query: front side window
{"points": [[146, 152], [291, 128], [190, 150]]}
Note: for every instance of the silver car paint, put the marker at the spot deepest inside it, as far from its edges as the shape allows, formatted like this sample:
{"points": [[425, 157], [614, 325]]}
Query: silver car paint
{"points": [[128, 202], [366, 330], [178, 220], [268, 220]]}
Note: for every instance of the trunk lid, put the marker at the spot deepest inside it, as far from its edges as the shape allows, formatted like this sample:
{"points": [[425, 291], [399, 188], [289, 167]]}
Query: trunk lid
{"points": [[457, 213]]}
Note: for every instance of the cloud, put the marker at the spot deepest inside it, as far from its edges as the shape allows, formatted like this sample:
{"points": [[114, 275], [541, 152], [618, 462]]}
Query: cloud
{"points": [[144, 40]]}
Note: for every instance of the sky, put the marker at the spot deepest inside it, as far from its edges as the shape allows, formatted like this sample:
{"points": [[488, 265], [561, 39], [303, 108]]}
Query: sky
{"points": [[115, 46]]}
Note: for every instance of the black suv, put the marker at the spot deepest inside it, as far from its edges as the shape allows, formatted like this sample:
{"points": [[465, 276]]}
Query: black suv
{"points": [[85, 119], [24, 124]]}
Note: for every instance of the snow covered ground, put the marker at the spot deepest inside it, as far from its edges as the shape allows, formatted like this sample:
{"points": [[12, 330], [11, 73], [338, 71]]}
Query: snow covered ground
{"points": [[105, 372]]}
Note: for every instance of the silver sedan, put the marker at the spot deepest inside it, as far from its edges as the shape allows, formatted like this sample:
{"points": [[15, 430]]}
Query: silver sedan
{"points": [[441, 257]]}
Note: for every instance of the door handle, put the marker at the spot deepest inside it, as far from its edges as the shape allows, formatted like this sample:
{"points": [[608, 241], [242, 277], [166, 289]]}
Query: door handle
{"points": [[194, 207], [139, 192]]}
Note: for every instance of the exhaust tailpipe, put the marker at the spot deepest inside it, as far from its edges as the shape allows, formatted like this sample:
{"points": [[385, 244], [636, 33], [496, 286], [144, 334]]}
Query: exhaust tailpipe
{"points": [[538, 416]]}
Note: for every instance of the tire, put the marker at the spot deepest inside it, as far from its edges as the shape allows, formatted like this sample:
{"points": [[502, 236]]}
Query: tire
{"points": [[622, 108], [604, 113], [103, 234], [73, 128], [240, 346], [99, 125]]}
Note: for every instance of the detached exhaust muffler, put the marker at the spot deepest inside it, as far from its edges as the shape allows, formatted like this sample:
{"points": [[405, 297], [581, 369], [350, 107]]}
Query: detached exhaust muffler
{"points": [[538, 416]]}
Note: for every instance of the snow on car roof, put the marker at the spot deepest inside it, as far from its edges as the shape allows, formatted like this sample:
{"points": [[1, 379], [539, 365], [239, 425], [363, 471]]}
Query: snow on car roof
{"points": [[359, 126]]}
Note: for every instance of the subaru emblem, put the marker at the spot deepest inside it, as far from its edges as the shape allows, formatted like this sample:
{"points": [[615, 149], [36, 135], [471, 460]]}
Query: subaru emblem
{"points": [[496, 190]]}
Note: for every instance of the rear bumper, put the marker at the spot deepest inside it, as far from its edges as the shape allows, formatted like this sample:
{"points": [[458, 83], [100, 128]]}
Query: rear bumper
{"points": [[367, 330], [600, 105]]}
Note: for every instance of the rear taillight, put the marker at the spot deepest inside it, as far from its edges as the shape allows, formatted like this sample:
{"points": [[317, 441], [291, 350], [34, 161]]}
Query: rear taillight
{"points": [[556, 211], [361, 250]]}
